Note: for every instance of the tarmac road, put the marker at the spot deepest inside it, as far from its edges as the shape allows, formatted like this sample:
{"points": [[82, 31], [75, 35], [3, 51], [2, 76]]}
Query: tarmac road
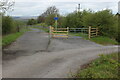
{"points": [[56, 60], [28, 44]]}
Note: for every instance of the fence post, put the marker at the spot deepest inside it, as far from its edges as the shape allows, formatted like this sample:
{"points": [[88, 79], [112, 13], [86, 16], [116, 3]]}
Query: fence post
{"points": [[50, 31], [96, 31], [89, 32], [67, 31]]}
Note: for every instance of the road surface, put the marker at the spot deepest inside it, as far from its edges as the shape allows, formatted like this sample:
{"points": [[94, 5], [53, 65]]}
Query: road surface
{"points": [[39, 58]]}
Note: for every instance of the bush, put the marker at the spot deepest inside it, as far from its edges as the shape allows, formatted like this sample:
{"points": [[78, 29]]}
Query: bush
{"points": [[10, 26], [32, 22], [7, 25], [104, 20]]}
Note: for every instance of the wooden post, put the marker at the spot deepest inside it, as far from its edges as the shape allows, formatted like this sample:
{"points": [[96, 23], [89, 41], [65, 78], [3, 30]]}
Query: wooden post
{"points": [[89, 32], [67, 31], [96, 31], [50, 31]]}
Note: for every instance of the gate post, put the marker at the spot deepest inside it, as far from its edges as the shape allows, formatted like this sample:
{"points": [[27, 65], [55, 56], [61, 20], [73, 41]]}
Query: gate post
{"points": [[50, 31], [67, 31], [89, 32], [96, 31]]}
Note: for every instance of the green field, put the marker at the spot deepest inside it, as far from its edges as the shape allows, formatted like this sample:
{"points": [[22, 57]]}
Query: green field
{"points": [[106, 66]]}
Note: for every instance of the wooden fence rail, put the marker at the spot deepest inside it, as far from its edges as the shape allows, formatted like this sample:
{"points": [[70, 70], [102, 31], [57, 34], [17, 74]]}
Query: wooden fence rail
{"points": [[60, 32], [64, 32], [93, 32]]}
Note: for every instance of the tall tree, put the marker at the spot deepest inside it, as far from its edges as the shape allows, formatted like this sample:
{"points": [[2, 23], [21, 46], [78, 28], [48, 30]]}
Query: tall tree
{"points": [[41, 19], [48, 15]]}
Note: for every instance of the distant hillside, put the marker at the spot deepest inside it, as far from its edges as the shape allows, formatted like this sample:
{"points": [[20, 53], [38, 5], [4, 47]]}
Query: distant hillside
{"points": [[25, 18]]}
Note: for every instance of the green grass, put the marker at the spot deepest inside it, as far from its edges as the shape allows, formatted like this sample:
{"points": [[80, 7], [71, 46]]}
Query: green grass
{"points": [[44, 29], [104, 40], [99, 39], [8, 39], [106, 66], [85, 36]]}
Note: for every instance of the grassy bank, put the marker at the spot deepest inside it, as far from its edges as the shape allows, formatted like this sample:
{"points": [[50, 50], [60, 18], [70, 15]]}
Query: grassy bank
{"points": [[104, 67], [8, 39], [104, 40], [99, 39]]}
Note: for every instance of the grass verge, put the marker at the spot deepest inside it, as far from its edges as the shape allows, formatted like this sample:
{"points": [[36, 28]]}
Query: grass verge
{"points": [[106, 66], [8, 39], [104, 40], [83, 35], [44, 29], [99, 39]]}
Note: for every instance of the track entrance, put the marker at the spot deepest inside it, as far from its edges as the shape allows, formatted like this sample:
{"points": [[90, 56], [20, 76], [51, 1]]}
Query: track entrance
{"points": [[87, 32]]}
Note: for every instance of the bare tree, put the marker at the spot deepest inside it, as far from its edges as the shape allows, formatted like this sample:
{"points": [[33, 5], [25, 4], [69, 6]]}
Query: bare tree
{"points": [[6, 5], [50, 10]]}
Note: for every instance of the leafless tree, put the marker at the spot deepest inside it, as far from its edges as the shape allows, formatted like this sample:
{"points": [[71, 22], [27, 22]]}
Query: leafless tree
{"points": [[6, 5], [50, 10]]}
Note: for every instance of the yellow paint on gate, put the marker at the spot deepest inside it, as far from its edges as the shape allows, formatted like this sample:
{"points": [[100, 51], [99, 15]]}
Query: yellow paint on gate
{"points": [[63, 32], [59, 33], [93, 32]]}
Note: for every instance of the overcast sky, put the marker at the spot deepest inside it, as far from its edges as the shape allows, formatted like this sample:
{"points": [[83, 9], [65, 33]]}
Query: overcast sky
{"points": [[37, 7]]}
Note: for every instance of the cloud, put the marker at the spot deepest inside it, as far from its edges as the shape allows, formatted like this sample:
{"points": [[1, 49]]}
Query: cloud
{"points": [[67, 0], [37, 7]]}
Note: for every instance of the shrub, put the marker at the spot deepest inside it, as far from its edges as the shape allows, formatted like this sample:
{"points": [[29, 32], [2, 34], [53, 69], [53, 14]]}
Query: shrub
{"points": [[7, 24], [32, 22]]}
